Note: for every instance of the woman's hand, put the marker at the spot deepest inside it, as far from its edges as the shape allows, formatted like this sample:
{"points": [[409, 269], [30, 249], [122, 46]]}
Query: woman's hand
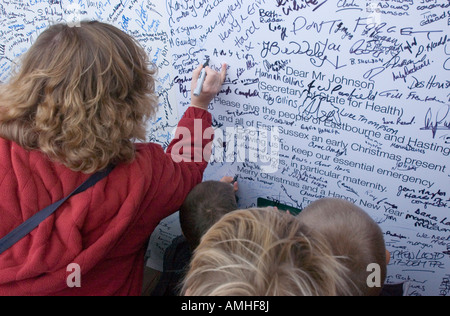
{"points": [[211, 87]]}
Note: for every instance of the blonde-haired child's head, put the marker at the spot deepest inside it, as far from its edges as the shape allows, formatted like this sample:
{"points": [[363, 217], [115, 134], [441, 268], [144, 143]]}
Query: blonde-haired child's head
{"points": [[264, 252], [352, 235]]}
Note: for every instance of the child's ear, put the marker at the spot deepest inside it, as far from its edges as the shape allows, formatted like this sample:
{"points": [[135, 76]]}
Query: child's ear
{"points": [[388, 257], [236, 186]]}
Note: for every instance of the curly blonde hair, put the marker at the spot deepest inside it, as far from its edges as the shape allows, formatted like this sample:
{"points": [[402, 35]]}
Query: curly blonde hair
{"points": [[82, 96], [264, 252]]}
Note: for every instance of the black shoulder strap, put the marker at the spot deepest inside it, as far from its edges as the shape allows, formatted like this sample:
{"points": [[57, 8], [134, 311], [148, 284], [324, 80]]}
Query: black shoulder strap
{"points": [[24, 229]]}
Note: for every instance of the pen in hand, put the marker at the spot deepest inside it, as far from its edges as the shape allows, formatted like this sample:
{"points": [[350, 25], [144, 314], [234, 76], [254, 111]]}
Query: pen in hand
{"points": [[201, 80]]}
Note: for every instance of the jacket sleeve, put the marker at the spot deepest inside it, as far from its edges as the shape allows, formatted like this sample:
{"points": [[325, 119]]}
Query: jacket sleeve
{"points": [[193, 138], [186, 159]]}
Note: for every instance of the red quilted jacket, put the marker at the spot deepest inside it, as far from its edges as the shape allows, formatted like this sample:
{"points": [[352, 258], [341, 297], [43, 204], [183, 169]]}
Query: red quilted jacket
{"points": [[104, 230]]}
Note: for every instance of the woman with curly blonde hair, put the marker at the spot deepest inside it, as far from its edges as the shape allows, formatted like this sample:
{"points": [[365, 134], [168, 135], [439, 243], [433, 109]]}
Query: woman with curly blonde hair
{"points": [[78, 103]]}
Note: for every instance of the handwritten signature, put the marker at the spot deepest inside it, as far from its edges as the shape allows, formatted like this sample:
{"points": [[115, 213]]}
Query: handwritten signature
{"points": [[447, 62], [290, 6], [437, 122]]}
